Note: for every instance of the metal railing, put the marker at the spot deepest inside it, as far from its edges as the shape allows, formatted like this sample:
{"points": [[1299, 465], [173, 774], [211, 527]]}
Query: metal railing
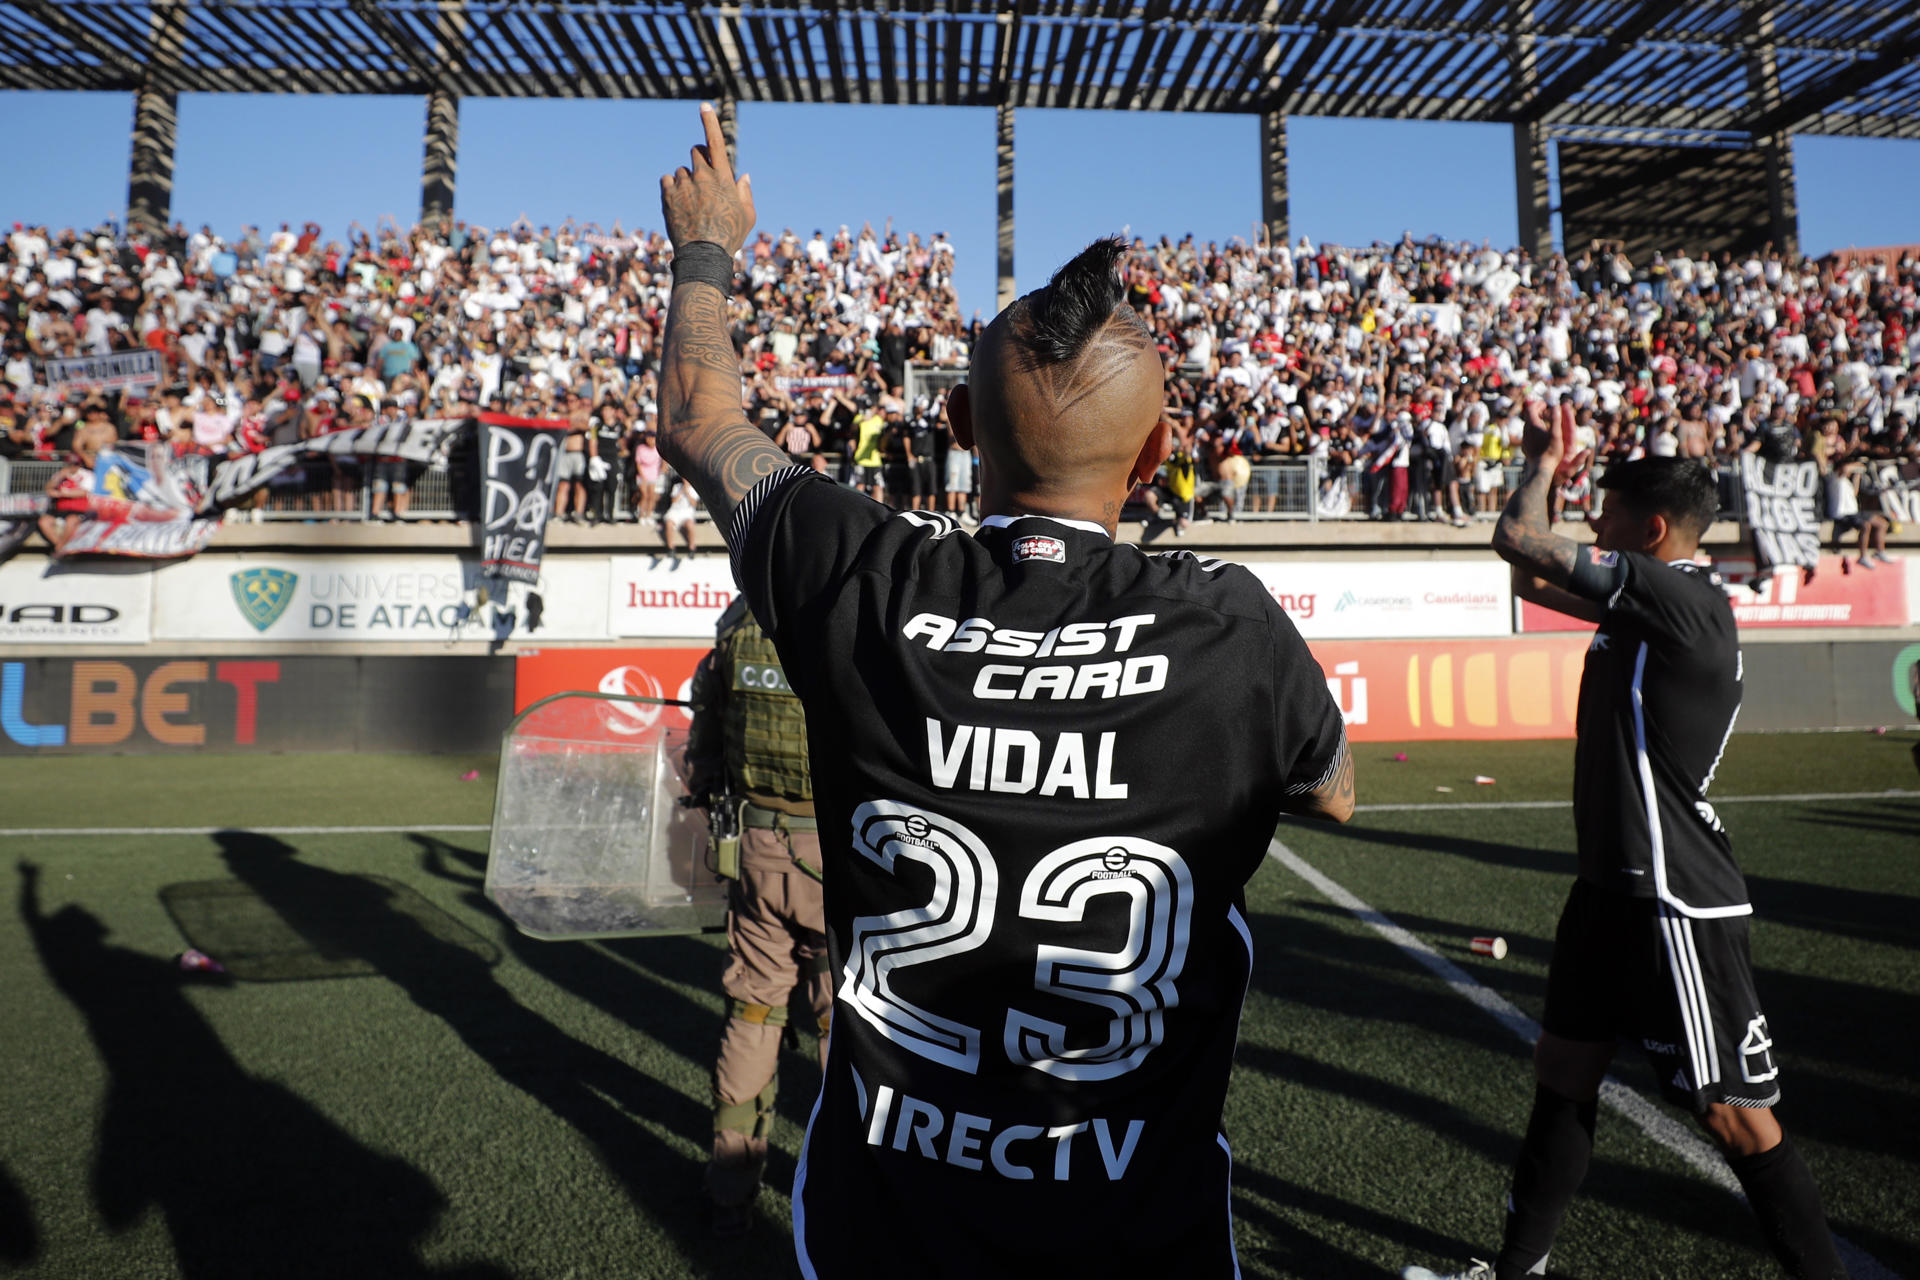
{"points": [[1295, 489]]}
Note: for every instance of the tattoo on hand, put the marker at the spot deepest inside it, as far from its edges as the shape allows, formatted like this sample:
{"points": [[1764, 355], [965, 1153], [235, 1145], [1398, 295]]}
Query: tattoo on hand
{"points": [[1524, 536]]}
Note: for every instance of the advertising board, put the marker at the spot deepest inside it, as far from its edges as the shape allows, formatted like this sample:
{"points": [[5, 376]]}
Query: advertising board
{"points": [[1391, 691], [66, 607], [667, 597], [358, 599], [1861, 598], [646, 673], [77, 706], [1391, 599]]}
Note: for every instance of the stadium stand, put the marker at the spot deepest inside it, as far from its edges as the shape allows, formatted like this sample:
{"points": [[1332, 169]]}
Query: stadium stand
{"points": [[1305, 381]]}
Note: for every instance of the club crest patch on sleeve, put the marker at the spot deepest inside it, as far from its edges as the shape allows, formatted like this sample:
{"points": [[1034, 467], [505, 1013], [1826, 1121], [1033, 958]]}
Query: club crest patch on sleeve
{"points": [[1037, 547]]}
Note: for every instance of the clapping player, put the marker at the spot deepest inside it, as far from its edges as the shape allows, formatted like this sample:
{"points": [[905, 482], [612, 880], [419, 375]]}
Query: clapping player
{"points": [[1652, 945]]}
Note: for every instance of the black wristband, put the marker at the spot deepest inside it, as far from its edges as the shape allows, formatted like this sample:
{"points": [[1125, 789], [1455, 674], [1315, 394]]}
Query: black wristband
{"points": [[704, 261]]}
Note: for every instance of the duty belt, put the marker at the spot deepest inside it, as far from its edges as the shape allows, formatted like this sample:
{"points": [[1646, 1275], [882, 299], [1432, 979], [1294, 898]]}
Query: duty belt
{"points": [[752, 815]]}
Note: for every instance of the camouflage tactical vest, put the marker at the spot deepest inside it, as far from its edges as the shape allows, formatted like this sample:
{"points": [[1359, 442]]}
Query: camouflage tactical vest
{"points": [[766, 729]]}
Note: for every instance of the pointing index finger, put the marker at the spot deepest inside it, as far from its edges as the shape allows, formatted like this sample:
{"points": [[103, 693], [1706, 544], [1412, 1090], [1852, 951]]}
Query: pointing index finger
{"points": [[716, 140]]}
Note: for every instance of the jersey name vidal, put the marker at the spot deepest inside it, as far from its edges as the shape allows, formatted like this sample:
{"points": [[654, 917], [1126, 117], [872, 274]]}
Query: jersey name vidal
{"points": [[1658, 701], [1044, 767]]}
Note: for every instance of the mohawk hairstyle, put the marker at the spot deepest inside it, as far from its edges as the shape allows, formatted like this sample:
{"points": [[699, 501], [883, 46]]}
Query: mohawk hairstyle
{"points": [[1059, 319]]}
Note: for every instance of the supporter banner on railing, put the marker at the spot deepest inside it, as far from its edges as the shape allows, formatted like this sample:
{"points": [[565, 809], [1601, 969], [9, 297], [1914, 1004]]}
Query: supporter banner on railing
{"points": [[424, 441], [40, 607], [121, 371], [667, 597], [1783, 511], [646, 673], [1391, 599], [523, 471], [1863, 598], [352, 599], [1898, 496], [142, 500]]}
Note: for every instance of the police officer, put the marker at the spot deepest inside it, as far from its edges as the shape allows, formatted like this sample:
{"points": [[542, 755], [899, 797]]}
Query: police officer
{"points": [[748, 757]]}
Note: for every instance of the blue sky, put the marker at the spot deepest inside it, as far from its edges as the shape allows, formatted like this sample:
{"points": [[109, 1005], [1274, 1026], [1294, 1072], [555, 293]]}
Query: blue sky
{"points": [[268, 159]]}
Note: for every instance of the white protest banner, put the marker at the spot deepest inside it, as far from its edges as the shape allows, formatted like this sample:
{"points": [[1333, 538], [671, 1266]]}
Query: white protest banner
{"points": [[73, 608], [121, 371], [1781, 510]]}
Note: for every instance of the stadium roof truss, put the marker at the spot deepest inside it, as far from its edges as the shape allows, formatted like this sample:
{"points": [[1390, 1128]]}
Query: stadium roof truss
{"points": [[1640, 71]]}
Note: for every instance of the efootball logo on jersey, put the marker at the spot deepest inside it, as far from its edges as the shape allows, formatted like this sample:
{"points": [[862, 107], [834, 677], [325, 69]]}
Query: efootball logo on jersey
{"points": [[263, 594], [1039, 547]]}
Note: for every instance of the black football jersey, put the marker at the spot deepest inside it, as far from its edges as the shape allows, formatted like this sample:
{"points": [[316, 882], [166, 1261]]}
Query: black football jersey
{"points": [[1044, 768], [1658, 700]]}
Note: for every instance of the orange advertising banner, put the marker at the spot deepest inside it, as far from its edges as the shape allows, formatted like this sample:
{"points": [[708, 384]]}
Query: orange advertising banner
{"points": [[1422, 690], [645, 673], [1387, 690]]}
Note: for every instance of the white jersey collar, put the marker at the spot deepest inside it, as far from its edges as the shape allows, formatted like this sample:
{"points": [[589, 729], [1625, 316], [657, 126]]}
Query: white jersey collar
{"points": [[1002, 522]]}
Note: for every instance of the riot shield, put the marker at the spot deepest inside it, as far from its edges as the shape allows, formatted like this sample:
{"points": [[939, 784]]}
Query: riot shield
{"points": [[589, 837]]}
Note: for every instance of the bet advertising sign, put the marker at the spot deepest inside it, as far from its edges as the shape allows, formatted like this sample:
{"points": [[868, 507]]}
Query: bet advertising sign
{"points": [[75, 706], [374, 598], [37, 607]]}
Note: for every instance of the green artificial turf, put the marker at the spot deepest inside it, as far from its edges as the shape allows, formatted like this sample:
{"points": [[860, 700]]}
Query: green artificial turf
{"points": [[419, 1090]]}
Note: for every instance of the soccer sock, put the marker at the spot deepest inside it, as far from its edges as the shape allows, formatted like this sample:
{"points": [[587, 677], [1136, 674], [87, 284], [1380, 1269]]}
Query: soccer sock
{"points": [[1552, 1164], [1780, 1188]]}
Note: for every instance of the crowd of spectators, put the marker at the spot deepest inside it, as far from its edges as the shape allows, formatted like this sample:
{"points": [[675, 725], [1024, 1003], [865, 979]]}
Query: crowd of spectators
{"points": [[1401, 369]]}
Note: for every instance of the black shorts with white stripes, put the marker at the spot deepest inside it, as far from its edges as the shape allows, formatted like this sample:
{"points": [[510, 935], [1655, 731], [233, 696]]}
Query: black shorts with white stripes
{"points": [[1681, 988]]}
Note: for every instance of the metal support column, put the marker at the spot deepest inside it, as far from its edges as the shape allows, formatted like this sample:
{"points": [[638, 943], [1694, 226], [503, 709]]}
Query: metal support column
{"points": [[1003, 188], [1530, 189], [1273, 174], [442, 156], [156, 121], [729, 113], [1763, 95]]}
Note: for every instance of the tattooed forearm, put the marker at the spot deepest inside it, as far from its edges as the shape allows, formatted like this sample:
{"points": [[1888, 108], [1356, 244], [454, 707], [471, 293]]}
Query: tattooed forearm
{"points": [[1526, 539], [704, 435]]}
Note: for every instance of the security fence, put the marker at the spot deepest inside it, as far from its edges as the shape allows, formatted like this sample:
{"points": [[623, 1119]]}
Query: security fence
{"points": [[1293, 489]]}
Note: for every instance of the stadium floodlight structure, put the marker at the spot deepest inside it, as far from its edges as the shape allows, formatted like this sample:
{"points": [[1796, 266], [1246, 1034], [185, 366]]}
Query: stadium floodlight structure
{"points": [[1650, 96]]}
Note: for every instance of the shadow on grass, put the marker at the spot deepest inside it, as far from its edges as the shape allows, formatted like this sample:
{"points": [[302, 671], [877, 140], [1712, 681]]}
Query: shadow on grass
{"points": [[249, 1179], [1492, 852], [1313, 962], [641, 983], [1303, 1253], [596, 1093], [19, 1236]]}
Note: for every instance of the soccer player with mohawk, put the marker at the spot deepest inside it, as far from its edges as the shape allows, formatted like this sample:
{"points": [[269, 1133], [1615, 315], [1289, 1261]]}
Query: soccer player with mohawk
{"points": [[1040, 951]]}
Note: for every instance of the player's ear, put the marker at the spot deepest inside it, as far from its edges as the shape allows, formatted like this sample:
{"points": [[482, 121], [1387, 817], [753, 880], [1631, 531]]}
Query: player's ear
{"points": [[1655, 530], [960, 415], [1153, 452]]}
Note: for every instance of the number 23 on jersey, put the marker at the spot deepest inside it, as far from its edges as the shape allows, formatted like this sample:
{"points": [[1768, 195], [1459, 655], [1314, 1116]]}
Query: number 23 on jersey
{"points": [[1133, 985]]}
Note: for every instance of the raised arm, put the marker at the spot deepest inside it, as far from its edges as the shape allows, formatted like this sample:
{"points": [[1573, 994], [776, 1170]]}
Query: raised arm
{"points": [[1524, 538], [703, 433]]}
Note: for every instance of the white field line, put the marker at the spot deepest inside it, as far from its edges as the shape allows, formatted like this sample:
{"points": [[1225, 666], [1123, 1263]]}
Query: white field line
{"points": [[1652, 1121], [239, 826], [1465, 805], [1801, 797]]}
